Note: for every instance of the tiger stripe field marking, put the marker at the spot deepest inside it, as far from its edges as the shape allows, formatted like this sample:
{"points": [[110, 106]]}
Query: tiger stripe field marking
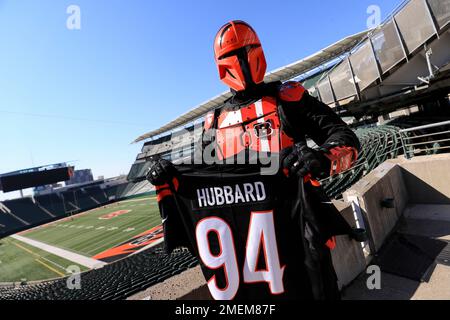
{"points": [[133, 245]]}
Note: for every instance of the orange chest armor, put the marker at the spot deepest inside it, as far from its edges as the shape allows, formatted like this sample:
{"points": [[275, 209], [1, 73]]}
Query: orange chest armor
{"points": [[254, 128]]}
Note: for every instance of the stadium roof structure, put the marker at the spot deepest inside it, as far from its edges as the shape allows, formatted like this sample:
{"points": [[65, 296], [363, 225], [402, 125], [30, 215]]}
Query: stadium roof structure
{"points": [[35, 169], [284, 73]]}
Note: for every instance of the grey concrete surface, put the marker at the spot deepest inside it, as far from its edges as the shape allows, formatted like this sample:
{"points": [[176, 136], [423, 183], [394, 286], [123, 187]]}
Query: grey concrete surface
{"points": [[421, 189], [427, 178], [438, 288], [348, 257], [439, 212], [392, 288], [382, 183], [187, 282], [423, 220], [430, 228]]}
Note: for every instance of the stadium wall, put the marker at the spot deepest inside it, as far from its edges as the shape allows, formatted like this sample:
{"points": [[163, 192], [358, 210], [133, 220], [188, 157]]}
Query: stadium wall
{"points": [[150, 193], [423, 177]]}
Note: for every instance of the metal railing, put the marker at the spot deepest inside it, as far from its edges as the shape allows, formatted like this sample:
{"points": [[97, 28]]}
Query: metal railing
{"points": [[410, 27], [378, 145], [389, 143], [416, 142]]}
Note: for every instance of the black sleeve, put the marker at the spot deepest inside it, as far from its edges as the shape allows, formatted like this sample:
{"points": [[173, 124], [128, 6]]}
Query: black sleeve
{"points": [[312, 118], [174, 232]]}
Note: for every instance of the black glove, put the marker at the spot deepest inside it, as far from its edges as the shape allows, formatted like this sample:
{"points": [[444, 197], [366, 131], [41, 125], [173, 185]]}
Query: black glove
{"points": [[161, 171], [302, 160]]}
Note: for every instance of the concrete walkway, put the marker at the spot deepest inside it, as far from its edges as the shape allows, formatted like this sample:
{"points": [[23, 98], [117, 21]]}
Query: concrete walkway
{"points": [[426, 220], [188, 285], [71, 256]]}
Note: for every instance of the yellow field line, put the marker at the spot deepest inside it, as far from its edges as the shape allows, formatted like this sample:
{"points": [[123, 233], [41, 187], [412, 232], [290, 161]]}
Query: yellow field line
{"points": [[36, 255], [27, 250], [50, 268]]}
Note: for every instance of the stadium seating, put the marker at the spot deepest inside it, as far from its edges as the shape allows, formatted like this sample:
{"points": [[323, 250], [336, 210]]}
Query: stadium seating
{"points": [[111, 192], [81, 198], [69, 201], [120, 190], [9, 224], [53, 203], [99, 196], [134, 188], [383, 142], [115, 281], [26, 214], [84, 201], [377, 145], [28, 211], [138, 170]]}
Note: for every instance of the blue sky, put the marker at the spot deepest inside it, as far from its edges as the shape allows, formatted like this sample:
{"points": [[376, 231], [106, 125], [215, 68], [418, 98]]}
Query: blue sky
{"points": [[84, 95]]}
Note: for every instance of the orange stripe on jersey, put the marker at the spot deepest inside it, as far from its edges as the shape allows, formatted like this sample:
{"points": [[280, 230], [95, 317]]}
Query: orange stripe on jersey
{"points": [[308, 178], [269, 105], [175, 183], [164, 186], [249, 113], [162, 194]]}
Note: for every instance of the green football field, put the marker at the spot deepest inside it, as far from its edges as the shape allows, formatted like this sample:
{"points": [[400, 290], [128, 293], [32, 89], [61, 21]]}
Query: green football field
{"points": [[87, 234], [22, 262], [91, 233]]}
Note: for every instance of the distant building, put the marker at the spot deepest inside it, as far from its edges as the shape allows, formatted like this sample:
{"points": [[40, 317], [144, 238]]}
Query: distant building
{"points": [[80, 176], [46, 189]]}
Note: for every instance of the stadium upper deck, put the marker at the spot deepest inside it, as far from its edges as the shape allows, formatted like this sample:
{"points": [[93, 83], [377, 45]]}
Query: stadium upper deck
{"points": [[403, 61]]}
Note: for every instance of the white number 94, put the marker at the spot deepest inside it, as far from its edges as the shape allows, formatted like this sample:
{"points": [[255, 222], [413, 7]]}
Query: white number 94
{"points": [[261, 236]]}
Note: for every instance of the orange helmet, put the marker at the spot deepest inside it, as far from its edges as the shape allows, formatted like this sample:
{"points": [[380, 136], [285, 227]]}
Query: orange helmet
{"points": [[239, 55]]}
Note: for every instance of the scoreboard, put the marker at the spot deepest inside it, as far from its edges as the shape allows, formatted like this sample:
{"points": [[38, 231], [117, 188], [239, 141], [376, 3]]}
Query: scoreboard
{"points": [[35, 177]]}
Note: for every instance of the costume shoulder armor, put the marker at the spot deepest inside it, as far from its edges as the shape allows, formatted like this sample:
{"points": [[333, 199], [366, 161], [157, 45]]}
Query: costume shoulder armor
{"points": [[291, 91]]}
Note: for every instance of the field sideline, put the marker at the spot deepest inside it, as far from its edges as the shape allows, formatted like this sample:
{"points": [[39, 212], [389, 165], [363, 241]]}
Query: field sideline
{"points": [[88, 234], [19, 261]]}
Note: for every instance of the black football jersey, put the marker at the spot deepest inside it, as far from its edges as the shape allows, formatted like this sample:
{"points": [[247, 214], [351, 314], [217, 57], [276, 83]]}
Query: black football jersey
{"points": [[258, 236], [243, 231]]}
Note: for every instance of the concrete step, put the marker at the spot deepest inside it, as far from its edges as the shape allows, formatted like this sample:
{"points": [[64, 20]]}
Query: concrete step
{"points": [[440, 212]]}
